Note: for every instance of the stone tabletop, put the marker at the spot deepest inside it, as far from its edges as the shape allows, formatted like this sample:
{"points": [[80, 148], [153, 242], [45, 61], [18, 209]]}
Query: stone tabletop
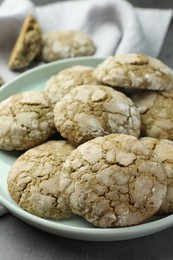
{"points": [[20, 241]]}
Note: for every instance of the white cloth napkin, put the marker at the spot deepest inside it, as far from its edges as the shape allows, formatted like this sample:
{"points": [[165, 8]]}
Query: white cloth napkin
{"points": [[115, 26]]}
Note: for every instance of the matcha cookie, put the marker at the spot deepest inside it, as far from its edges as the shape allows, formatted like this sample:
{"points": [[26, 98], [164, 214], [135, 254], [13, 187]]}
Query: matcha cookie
{"points": [[26, 120], [89, 111], [113, 181], [27, 46], [59, 85], [66, 44], [156, 113], [33, 180], [164, 149], [135, 71]]}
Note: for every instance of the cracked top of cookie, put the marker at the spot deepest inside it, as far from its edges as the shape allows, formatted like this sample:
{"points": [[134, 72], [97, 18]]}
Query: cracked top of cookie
{"points": [[164, 149], [89, 111], [59, 85], [156, 113], [66, 44], [113, 181], [33, 180], [135, 71], [26, 120]]}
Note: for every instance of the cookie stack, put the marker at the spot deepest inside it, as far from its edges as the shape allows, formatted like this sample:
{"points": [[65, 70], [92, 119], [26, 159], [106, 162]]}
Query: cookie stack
{"points": [[109, 169], [154, 79]]}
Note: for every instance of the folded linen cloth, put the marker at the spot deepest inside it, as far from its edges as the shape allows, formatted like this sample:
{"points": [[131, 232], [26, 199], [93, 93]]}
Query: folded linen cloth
{"points": [[115, 26]]}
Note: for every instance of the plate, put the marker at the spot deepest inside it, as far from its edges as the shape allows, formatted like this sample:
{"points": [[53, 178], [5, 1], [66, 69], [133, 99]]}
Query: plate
{"points": [[76, 227]]}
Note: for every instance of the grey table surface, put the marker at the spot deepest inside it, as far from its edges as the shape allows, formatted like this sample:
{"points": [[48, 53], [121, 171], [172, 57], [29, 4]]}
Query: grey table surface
{"points": [[19, 240]]}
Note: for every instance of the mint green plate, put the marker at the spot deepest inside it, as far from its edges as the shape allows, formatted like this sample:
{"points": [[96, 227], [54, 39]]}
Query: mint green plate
{"points": [[76, 228]]}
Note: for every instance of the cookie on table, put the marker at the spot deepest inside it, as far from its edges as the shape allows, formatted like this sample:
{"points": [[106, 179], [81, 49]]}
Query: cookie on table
{"points": [[66, 44], [89, 111], [59, 85], [164, 149], [156, 113], [135, 71], [27, 46], [33, 180], [113, 181], [26, 120]]}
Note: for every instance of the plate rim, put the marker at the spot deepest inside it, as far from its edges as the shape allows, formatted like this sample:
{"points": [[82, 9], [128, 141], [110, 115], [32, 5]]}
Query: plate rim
{"points": [[114, 234], [47, 65]]}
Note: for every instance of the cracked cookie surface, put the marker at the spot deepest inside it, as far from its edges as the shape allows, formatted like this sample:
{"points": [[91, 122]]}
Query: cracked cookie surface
{"points": [[27, 46], [113, 181], [164, 149], [59, 85], [156, 113], [65, 44], [89, 111], [26, 120], [135, 71], [33, 180]]}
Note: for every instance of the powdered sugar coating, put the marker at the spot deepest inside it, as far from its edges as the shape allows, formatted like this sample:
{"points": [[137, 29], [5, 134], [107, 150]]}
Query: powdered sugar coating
{"points": [[113, 181], [164, 149], [89, 111], [156, 113], [135, 71], [59, 85], [66, 44], [26, 120], [33, 181]]}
